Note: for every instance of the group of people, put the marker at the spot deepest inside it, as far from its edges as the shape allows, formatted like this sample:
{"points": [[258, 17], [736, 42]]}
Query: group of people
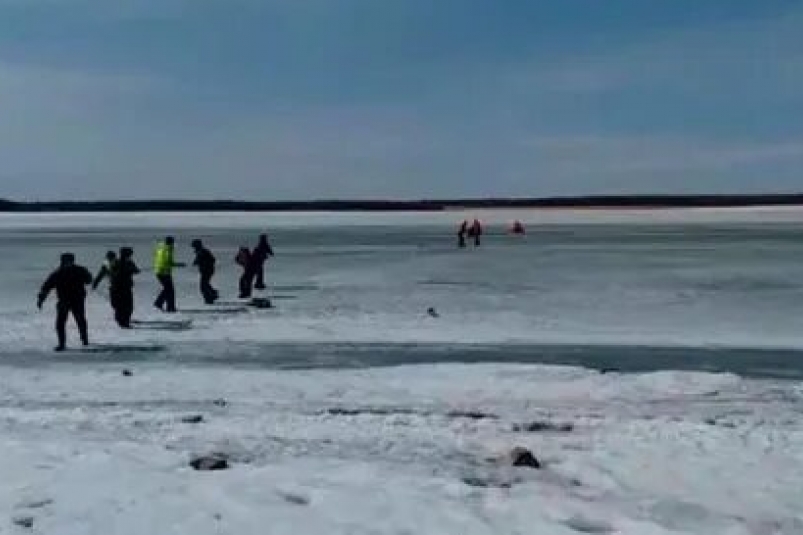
{"points": [[469, 231], [475, 231], [70, 280]]}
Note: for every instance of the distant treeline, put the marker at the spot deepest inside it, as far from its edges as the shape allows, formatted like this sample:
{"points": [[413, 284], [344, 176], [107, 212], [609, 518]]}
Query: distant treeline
{"points": [[610, 201]]}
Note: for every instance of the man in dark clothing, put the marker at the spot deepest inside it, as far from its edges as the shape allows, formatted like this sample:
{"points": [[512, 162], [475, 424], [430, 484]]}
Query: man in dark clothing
{"points": [[262, 251], [122, 287], [70, 281], [243, 259], [205, 261]]}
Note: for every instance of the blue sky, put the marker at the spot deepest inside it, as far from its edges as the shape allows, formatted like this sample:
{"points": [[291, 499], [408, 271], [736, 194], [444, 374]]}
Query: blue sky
{"points": [[299, 99]]}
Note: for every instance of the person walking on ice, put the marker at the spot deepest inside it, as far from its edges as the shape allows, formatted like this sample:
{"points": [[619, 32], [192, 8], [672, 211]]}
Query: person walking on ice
{"points": [[163, 265], [70, 281]]}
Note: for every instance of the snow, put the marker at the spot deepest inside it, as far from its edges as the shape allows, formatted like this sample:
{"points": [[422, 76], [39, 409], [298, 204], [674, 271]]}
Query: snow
{"points": [[108, 454]]}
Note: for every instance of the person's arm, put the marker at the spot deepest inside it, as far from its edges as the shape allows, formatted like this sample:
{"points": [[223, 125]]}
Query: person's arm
{"points": [[47, 287], [134, 268], [104, 271], [87, 276], [174, 263]]}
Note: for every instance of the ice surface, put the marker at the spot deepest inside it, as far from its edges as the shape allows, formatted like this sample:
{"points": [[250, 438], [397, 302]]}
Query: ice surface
{"points": [[350, 410]]}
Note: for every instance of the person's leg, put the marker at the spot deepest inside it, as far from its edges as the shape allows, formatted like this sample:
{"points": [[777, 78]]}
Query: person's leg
{"points": [[126, 308], [170, 290], [114, 298], [245, 284], [162, 297], [260, 278], [78, 309], [62, 311], [207, 291]]}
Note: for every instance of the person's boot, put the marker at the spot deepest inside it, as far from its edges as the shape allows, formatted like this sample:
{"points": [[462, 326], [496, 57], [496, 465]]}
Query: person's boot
{"points": [[59, 348]]}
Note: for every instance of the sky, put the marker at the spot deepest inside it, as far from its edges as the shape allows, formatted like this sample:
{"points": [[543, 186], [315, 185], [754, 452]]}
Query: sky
{"points": [[320, 99]]}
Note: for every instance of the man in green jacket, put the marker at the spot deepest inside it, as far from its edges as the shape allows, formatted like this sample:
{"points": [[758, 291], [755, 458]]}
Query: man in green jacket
{"points": [[163, 264]]}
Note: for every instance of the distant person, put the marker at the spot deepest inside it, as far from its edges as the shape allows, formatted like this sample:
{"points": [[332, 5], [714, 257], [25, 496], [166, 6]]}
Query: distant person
{"points": [[163, 265], [261, 253], [105, 269], [122, 287], [205, 262], [518, 228], [461, 234], [70, 282], [244, 260], [476, 232]]}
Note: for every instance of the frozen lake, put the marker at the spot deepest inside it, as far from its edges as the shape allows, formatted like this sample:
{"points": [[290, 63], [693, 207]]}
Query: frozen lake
{"points": [[350, 410]]}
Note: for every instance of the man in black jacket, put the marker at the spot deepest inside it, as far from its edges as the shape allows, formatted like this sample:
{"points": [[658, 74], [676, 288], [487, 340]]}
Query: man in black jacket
{"points": [[261, 253], [69, 281], [205, 261], [122, 287]]}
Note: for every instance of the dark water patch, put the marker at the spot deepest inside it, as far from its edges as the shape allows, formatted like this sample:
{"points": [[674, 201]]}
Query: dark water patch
{"points": [[542, 427], [212, 311], [747, 362], [394, 411], [586, 525]]}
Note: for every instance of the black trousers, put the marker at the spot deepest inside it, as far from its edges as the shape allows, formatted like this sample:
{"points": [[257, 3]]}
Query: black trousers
{"points": [[209, 294], [168, 294], [260, 277], [123, 304], [78, 310], [246, 283]]}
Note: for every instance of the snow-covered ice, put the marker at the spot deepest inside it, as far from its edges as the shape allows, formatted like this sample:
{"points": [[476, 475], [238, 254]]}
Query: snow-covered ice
{"points": [[349, 410], [387, 451]]}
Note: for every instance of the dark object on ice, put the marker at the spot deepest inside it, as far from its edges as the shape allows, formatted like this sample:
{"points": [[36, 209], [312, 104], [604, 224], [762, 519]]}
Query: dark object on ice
{"points": [[433, 313], [128, 373], [373, 411], [112, 348], [523, 457], [36, 504], [486, 483], [209, 463], [24, 522], [539, 427], [586, 525], [260, 302], [294, 499], [720, 423], [193, 419], [220, 403], [472, 415]]}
